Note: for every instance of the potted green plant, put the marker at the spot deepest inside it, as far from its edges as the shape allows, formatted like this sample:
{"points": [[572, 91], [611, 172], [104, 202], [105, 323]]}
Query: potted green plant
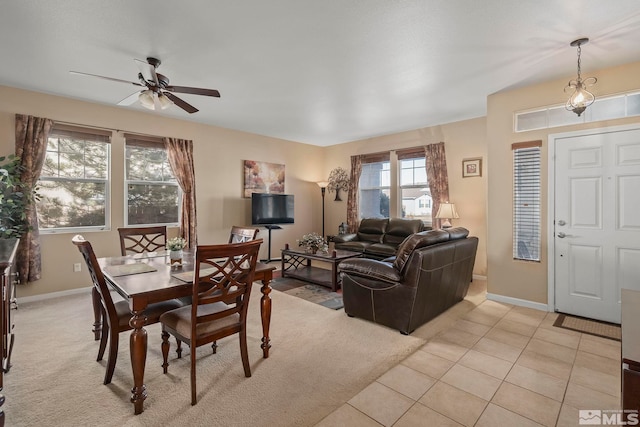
{"points": [[13, 201]]}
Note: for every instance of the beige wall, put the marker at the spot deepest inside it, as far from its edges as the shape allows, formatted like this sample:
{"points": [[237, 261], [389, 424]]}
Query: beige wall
{"points": [[219, 171], [465, 139], [521, 279]]}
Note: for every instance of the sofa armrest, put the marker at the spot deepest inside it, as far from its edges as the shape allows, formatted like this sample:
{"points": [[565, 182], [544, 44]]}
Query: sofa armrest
{"points": [[341, 238], [371, 269]]}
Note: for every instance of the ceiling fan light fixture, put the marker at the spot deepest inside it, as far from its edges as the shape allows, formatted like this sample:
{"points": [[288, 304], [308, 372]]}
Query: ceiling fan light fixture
{"points": [[581, 98], [146, 99], [164, 101]]}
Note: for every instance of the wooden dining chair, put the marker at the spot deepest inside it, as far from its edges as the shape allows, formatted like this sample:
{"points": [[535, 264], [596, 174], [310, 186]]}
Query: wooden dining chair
{"points": [[115, 315], [223, 275], [242, 234], [142, 239]]}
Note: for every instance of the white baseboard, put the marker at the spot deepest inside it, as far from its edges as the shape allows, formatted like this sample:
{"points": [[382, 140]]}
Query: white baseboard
{"points": [[479, 277], [518, 301], [43, 297]]}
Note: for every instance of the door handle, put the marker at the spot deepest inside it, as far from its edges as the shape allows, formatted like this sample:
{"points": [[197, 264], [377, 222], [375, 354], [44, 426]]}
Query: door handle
{"points": [[561, 235]]}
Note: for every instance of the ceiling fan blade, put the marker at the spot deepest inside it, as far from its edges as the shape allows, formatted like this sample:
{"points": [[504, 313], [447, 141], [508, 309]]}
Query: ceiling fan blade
{"points": [[148, 71], [180, 103], [130, 99], [194, 90], [106, 78]]}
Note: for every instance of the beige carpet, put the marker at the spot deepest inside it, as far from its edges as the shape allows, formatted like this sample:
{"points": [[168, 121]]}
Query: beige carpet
{"points": [[319, 359]]}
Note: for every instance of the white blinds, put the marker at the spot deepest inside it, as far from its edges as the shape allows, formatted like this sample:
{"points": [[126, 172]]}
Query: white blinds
{"points": [[526, 201]]}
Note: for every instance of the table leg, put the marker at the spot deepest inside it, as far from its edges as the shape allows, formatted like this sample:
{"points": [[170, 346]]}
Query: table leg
{"points": [[138, 349], [97, 314], [334, 276], [265, 312]]}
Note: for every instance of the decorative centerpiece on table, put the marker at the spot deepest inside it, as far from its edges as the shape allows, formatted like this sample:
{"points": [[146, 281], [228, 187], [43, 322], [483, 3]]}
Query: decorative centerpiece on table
{"points": [[313, 243], [175, 246], [338, 180]]}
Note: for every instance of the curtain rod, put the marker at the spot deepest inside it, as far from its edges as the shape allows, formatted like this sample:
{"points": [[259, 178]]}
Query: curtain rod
{"points": [[106, 128]]}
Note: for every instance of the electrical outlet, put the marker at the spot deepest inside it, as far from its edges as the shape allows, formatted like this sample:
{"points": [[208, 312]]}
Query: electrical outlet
{"points": [[77, 267]]}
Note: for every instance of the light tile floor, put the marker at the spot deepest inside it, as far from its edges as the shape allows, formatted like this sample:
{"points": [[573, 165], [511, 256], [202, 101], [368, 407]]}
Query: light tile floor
{"points": [[495, 365]]}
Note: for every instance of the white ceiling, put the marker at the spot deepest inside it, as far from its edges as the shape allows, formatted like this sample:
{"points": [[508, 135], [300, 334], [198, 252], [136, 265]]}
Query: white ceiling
{"points": [[320, 72]]}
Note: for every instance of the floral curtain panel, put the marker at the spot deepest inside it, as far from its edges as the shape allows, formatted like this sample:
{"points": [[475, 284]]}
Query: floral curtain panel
{"points": [[353, 219], [32, 134], [180, 154], [437, 178]]}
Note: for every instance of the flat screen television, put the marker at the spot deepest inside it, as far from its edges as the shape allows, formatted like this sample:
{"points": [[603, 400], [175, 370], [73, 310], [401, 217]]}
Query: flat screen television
{"points": [[271, 208]]}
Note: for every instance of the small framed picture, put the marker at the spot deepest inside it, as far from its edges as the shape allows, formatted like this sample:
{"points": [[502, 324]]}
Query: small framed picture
{"points": [[472, 167]]}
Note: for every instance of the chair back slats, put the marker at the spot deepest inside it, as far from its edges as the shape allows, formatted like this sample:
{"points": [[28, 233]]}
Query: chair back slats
{"points": [[242, 234], [223, 273], [142, 239]]}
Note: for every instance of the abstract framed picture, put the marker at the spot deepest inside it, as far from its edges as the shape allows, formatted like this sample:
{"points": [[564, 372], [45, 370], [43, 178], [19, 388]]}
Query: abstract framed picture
{"points": [[472, 167], [263, 177]]}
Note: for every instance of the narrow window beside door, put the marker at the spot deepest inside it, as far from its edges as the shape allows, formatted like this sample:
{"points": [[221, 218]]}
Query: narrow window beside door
{"points": [[526, 200]]}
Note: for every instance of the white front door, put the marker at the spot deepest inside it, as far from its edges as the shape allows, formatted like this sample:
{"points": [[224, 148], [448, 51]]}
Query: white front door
{"points": [[597, 222]]}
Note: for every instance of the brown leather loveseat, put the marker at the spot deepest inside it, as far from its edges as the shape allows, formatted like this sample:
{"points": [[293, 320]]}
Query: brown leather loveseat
{"points": [[431, 272], [378, 238]]}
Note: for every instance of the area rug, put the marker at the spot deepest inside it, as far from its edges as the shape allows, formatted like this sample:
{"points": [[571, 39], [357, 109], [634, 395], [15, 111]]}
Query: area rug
{"points": [[319, 359], [307, 291], [589, 326]]}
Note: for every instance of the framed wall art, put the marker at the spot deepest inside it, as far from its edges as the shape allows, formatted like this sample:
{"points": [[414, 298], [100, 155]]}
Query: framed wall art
{"points": [[263, 177], [472, 167]]}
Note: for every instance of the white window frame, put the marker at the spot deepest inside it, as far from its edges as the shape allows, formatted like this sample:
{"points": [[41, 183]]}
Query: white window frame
{"points": [[414, 185], [527, 219], [106, 181], [380, 187], [152, 141]]}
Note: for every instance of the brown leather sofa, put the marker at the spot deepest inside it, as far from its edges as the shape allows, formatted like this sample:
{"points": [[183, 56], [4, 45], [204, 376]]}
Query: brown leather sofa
{"points": [[430, 273], [378, 238]]}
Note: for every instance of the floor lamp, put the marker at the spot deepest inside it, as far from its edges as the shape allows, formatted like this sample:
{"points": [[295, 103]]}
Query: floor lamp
{"points": [[323, 189]]}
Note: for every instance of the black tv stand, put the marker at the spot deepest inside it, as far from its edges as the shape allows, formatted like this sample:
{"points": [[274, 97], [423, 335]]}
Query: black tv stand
{"points": [[270, 227]]}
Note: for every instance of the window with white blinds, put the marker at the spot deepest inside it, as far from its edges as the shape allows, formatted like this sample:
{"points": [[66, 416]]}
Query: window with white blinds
{"points": [[526, 200]]}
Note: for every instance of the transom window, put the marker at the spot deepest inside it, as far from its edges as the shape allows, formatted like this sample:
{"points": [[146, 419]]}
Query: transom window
{"points": [[152, 192], [73, 185]]}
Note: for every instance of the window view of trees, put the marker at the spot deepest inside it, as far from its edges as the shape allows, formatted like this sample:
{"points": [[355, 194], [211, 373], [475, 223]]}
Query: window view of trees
{"points": [[73, 182], [152, 191]]}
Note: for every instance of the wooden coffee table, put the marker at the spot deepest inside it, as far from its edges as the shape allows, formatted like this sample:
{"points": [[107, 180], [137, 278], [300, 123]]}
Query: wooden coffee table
{"points": [[297, 264]]}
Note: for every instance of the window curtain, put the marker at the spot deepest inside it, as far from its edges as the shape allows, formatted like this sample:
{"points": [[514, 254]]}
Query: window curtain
{"points": [[352, 197], [32, 134], [437, 178], [180, 154]]}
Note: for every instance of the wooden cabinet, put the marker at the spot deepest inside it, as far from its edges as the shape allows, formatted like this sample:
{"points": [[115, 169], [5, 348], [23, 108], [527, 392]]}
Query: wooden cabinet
{"points": [[630, 349], [8, 249]]}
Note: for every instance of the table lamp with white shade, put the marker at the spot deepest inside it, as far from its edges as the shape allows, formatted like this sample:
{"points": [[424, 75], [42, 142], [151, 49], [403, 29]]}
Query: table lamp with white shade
{"points": [[447, 211]]}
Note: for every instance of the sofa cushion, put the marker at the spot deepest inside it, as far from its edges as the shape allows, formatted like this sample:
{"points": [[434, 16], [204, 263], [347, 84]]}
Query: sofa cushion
{"points": [[456, 233], [416, 241], [380, 250], [355, 246], [372, 229], [399, 228], [370, 269]]}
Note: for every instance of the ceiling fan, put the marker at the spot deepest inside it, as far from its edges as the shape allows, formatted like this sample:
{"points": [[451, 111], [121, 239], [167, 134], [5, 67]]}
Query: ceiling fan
{"points": [[158, 93]]}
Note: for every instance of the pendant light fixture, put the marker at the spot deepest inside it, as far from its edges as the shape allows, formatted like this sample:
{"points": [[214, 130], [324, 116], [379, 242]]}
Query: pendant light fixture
{"points": [[581, 98]]}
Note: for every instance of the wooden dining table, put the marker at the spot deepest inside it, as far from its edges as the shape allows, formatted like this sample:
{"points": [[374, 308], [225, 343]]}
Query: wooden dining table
{"points": [[154, 280]]}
